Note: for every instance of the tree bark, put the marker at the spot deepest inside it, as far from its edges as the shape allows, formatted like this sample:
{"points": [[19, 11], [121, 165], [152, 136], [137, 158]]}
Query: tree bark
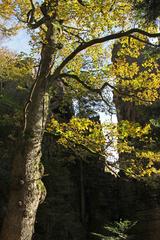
{"points": [[27, 189]]}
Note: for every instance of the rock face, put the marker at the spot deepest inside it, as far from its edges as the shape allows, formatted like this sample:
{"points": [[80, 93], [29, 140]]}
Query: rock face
{"points": [[139, 200], [81, 196], [105, 199], [59, 216]]}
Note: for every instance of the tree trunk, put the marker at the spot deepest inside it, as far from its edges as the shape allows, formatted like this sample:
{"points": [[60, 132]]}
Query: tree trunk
{"points": [[27, 188]]}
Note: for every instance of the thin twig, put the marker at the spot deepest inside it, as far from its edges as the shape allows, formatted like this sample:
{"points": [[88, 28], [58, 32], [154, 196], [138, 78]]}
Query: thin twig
{"points": [[143, 41]]}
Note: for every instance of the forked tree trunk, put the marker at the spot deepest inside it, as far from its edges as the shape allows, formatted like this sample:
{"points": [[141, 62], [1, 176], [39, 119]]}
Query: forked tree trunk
{"points": [[26, 187]]}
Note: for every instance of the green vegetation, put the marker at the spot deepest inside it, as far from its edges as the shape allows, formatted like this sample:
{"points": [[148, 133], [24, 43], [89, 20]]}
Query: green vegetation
{"points": [[86, 51], [116, 231]]}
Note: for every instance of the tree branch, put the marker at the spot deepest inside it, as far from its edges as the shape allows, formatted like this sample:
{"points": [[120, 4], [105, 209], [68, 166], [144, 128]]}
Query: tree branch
{"points": [[96, 90], [73, 76], [108, 164], [143, 41], [30, 14], [32, 22], [99, 91], [81, 40], [38, 23], [81, 3], [92, 42]]}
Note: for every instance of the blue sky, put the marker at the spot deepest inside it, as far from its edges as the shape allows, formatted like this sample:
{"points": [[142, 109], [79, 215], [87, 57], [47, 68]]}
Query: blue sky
{"points": [[18, 43]]}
